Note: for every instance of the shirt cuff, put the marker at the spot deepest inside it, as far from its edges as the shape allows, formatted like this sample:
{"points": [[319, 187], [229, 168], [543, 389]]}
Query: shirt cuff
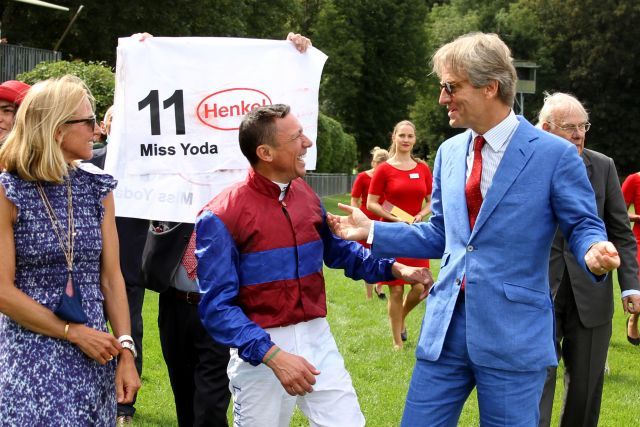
{"points": [[370, 236], [625, 294]]}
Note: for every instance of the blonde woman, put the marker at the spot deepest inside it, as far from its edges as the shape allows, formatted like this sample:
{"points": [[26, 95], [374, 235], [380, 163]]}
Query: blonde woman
{"points": [[59, 244], [359, 193], [404, 182]]}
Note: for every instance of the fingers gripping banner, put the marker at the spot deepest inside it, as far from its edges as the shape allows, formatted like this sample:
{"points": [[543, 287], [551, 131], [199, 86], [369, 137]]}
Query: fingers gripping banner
{"points": [[178, 105]]}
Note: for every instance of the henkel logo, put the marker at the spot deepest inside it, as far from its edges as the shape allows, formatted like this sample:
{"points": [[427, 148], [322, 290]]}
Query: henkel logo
{"points": [[224, 110]]}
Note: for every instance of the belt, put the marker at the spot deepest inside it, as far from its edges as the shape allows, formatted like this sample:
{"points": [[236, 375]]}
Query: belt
{"points": [[192, 298]]}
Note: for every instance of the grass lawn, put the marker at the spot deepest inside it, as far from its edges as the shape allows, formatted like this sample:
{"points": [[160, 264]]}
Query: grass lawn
{"points": [[380, 375]]}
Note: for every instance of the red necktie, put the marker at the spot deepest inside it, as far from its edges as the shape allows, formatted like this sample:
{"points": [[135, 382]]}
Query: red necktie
{"points": [[472, 189], [189, 261]]}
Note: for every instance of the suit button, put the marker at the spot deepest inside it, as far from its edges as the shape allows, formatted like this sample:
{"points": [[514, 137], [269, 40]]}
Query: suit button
{"points": [[457, 281], [470, 248]]}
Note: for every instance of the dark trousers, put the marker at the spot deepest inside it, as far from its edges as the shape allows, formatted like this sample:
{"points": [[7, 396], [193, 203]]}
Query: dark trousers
{"points": [[584, 352], [135, 295], [197, 365]]}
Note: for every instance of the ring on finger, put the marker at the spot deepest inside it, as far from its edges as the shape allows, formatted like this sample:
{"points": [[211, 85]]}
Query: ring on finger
{"points": [[110, 358]]}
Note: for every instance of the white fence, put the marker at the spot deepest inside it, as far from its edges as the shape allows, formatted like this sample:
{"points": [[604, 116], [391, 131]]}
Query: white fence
{"points": [[328, 184]]}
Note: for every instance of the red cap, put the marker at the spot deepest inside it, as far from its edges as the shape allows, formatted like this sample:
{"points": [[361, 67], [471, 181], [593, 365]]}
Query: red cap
{"points": [[13, 91]]}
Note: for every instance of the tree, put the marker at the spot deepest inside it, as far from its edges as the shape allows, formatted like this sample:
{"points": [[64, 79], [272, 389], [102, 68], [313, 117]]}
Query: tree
{"points": [[337, 150], [587, 48], [97, 76], [376, 52]]}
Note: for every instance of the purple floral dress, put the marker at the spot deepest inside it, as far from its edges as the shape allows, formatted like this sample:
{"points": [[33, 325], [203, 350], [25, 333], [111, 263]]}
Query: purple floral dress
{"points": [[44, 380]]}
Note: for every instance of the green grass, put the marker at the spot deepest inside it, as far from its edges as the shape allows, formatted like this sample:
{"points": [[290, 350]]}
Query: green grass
{"points": [[380, 375]]}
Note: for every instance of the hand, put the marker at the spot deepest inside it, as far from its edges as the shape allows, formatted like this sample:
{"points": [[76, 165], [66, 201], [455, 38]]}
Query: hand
{"points": [[353, 227], [414, 275], [418, 218], [601, 258], [296, 375], [634, 217], [100, 346], [299, 41], [141, 36], [631, 304], [127, 379]]}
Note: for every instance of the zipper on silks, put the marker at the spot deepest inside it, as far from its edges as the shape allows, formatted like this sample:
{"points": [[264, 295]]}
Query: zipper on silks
{"points": [[295, 244]]}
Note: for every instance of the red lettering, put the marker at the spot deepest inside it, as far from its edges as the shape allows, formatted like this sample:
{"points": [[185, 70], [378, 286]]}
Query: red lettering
{"points": [[208, 110], [235, 108], [223, 111], [245, 108]]}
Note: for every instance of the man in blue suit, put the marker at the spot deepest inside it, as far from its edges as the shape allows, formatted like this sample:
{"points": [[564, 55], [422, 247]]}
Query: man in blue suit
{"points": [[500, 191]]}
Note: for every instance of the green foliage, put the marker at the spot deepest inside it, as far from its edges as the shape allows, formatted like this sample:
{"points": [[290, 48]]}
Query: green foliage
{"points": [[336, 149], [97, 76], [376, 52]]}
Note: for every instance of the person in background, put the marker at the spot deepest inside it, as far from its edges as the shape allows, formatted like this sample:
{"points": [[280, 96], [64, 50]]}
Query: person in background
{"points": [[101, 139], [359, 194], [405, 182], [631, 193], [58, 239], [583, 311], [12, 92]]}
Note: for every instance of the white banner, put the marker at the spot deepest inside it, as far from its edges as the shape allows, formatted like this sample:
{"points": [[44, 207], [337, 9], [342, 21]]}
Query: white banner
{"points": [[178, 105]]}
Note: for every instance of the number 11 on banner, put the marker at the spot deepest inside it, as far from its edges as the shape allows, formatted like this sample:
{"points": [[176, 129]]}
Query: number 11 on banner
{"points": [[152, 100]]}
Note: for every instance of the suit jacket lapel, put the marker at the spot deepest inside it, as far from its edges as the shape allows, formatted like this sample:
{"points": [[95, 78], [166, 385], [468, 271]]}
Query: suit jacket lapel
{"points": [[516, 156], [458, 175]]}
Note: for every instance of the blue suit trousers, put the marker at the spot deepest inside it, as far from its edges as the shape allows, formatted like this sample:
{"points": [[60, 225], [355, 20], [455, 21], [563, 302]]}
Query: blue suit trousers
{"points": [[439, 389]]}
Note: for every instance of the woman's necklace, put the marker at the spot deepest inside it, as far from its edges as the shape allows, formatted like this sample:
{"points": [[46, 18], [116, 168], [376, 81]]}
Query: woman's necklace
{"points": [[66, 241]]}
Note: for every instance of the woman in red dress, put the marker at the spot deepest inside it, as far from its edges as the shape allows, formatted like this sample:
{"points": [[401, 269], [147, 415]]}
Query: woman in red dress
{"points": [[404, 182], [631, 193], [359, 194]]}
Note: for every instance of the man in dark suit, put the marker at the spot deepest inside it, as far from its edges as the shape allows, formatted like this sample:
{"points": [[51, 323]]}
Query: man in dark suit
{"points": [[584, 310], [500, 190]]}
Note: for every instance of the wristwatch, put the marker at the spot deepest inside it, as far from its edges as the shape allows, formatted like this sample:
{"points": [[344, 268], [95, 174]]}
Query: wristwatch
{"points": [[127, 342]]}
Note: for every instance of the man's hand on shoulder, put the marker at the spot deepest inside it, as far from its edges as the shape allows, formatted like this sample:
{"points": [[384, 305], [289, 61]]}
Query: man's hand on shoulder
{"points": [[296, 375], [601, 258]]}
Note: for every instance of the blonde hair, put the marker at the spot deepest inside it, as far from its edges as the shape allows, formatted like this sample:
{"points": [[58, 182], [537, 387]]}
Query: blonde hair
{"points": [[481, 58], [379, 155], [559, 102], [392, 147], [31, 149]]}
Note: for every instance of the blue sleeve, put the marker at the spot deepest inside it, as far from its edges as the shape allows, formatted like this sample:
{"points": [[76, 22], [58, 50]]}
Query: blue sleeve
{"points": [[356, 260], [218, 265]]}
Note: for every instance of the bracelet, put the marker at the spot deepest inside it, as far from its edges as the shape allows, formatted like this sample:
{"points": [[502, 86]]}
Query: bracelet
{"points": [[271, 356], [123, 338], [66, 331]]}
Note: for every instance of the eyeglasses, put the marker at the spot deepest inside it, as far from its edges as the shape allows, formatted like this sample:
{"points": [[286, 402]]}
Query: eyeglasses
{"points": [[582, 127], [448, 87], [90, 121]]}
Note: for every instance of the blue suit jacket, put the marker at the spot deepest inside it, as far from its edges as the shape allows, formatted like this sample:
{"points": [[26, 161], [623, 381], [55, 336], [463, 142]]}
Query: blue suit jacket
{"points": [[540, 184]]}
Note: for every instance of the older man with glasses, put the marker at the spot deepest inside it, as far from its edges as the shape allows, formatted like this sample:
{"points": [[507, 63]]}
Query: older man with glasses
{"points": [[583, 309], [11, 94]]}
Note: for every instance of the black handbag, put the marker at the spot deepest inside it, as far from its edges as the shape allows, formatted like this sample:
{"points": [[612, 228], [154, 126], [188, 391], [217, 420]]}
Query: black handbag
{"points": [[163, 252], [70, 306]]}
